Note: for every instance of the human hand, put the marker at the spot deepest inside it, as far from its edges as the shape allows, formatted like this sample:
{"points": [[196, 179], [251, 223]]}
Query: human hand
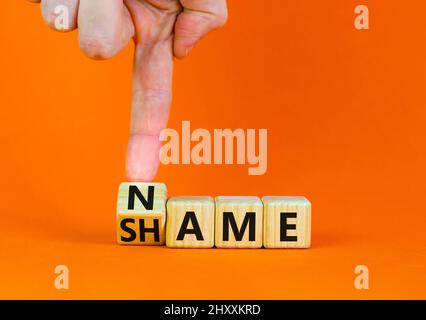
{"points": [[161, 30]]}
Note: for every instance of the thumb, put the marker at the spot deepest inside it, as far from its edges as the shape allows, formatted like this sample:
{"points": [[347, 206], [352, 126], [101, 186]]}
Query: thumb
{"points": [[197, 19]]}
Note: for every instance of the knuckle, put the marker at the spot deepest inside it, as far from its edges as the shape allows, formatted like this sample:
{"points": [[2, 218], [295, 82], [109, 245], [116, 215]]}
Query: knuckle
{"points": [[48, 18], [221, 18], [97, 48], [55, 20]]}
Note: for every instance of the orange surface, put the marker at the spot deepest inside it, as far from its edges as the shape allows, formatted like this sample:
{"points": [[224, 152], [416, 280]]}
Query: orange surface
{"points": [[345, 112]]}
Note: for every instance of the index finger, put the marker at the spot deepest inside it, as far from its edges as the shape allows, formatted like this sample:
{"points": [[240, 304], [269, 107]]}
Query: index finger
{"points": [[151, 98]]}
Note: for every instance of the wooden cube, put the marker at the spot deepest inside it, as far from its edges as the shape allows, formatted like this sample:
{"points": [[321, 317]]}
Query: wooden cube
{"points": [[287, 222], [190, 222], [238, 222], [141, 213]]}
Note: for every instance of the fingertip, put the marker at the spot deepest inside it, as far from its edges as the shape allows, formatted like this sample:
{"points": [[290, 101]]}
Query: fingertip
{"points": [[142, 158]]}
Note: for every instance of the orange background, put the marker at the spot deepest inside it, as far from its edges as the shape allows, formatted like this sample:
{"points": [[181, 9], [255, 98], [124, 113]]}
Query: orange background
{"points": [[345, 112]]}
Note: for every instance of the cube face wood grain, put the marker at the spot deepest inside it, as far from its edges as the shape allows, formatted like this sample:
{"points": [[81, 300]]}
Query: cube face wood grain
{"points": [[141, 213], [238, 222], [287, 222], [190, 222]]}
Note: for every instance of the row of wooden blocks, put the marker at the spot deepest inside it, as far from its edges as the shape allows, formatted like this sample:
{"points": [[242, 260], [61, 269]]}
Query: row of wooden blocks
{"points": [[146, 217]]}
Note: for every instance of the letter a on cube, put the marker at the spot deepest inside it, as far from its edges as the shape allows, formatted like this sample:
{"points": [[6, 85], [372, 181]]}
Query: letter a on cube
{"points": [[190, 222], [141, 213], [287, 222], [238, 222]]}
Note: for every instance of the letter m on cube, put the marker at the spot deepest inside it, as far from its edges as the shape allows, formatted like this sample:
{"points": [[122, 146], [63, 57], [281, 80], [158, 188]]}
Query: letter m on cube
{"points": [[141, 213]]}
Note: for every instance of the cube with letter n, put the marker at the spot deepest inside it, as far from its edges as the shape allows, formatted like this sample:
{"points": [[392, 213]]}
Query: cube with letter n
{"points": [[141, 213]]}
